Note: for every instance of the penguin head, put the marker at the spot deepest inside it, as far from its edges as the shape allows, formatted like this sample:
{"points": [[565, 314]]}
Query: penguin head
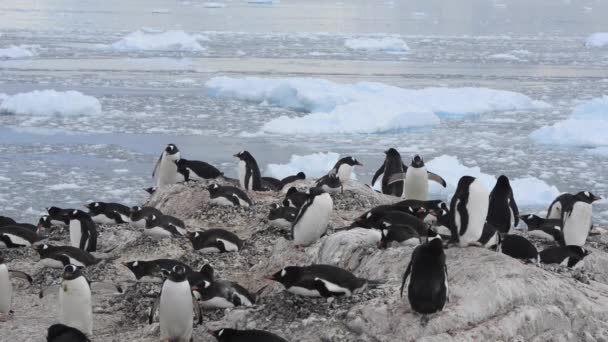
{"points": [[150, 190], [135, 210], [391, 152], [171, 149], [44, 223], [221, 334], [192, 236], [291, 191], [53, 211], [138, 268], [71, 272], [178, 273], [301, 175], [349, 161], [75, 214], [580, 251], [587, 197], [432, 237], [417, 162], [95, 207], [213, 187], [244, 156], [532, 221], [285, 276], [41, 248]]}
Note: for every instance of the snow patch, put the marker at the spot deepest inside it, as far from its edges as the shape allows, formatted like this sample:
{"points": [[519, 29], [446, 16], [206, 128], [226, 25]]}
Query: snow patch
{"points": [[51, 103], [147, 40], [363, 107], [214, 5], [64, 186], [586, 126], [387, 44], [16, 52], [313, 165], [598, 39], [263, 1], [505, 57]]}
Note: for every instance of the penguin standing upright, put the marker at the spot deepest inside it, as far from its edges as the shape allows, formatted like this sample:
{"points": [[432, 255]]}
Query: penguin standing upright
{"points": [[502, 209], [83, 231], [343, 168], [468, 211], [313, 218], [428, 289], [176, 305], [75, 300], [250, 177], [393, 165], [576, 217], [417, 180], [165, 170], [6, 287]]}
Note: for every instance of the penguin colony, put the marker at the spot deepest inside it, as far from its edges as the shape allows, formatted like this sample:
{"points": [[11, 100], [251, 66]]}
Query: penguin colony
{"points": [[475, 216]]}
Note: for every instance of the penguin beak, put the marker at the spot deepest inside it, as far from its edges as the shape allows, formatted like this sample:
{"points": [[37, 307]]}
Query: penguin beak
{"points": [[358, 163], [235, 155], [269, 277], [597, 198]]}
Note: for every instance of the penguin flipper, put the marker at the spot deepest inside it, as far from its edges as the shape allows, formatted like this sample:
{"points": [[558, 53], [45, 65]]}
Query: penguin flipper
{"points": [[396, 177], [153, 309], [377, 175], [157, 165], [436, 178], [197, 310], [234, 199], [407, 272], [22, 275], [515, 210], [323, 291]]}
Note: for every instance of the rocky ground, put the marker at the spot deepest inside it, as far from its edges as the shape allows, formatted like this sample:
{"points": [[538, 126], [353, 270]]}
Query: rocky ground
{"points": [[492, 296]]}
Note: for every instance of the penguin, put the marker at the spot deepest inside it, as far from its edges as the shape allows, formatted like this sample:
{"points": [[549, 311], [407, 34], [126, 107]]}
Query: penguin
{"points": [[63, 333], [282, 217], [83, 231], [490, 237], [152, 270], [518, 247], [176, 305], [379, 216], [393, 166], [576, 217], [295, 198], [16, 236], [313, 218], [233, 335], [59, 217], [75, 300], [6, 221], [205, 274], [158, 227], [108, 213], [555, 209], [215, 241], [468, 211], [398, 234], [44, 222], [570, 256], [198, 170], [250, 177], [165, 169], [6, 287], [343, 168], [138, 216], [27, 226], [427, 290], [221, 294], [289, 180], [228, 196], [272, 183], [548, 229], [321, 281], [61, 256], [416, 185], [502, 209], [151, 190], [330, 183], [427, 205]]}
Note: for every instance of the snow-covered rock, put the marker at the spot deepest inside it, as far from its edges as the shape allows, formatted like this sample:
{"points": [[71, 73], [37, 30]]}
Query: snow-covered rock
{"points": [[598, 39], [49, 103], [174, 40], [386, 44], [17, 52], [363, 107], [586, 126]]}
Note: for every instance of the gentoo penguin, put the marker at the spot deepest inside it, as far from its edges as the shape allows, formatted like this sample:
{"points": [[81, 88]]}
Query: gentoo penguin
{"points": [[198, 170], [215, 241], [75, 300], [570, 256], [287, 181], [272, 183], [228, 196], [16, 236], [219, 294], [63, 333], [138, 215], [250, 177], [59, 217], [295, 198], [157, 227], [151, 190], [152, 270], [468, 211], [83, 231], [427, 289], [281, 216], [6, 287], [61, 256], [343, 168], [330, 183], [393, 166], [417, 180], [518, 247], [398, 234], [321, 281], [555, 209], [548, 229], [165, 169], [502, 209], [176, 305], [490, 237], [233, 335], [378, 217], [313, 218], [576, 217], [108, 213], [6, 221]]}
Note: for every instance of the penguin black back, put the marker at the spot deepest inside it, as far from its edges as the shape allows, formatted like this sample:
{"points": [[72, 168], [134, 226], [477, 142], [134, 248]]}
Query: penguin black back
{"points": [[393, 164], [502, 210], [518, 247], [233, 335], [6, 221], [63, 333], [295, 198], [291, 179]]}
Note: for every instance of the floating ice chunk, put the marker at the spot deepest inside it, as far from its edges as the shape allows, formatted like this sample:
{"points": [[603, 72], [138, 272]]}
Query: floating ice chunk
{"points": [[598, 39], [386, 44], [64, 186], [586, 126], [214, 5], [144, 40], [363, 107], [4, 179], [313, 165], [505, 57], [161, 11], [16, 52], [263, 1], [50, 102]]}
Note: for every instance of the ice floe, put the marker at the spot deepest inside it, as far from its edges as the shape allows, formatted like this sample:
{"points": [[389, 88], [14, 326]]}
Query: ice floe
{"points": [[386, 44], [18, 52], [313, 165], [146, 40], [50, 103], [597, 39]]}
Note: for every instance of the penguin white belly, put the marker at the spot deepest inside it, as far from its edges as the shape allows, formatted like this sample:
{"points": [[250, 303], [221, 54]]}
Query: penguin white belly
{"points": [[6, 290], [244, 300], [75, 303], [176, 311], [302, 291], [242, 171], [416, 184], [242, 202], [555, 212], [157, 233], [17, 240], [75, 233], [576, 225], [223, 201], [167, 173], [344, 172], [334, 288], [102, 219], [477, 209], [229, 246], [217, 303], [313, 224], [139, 224]]}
